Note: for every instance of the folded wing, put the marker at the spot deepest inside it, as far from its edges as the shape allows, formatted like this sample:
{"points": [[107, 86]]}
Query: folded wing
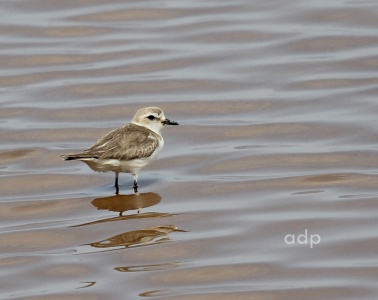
{"points": [[125, 143]]}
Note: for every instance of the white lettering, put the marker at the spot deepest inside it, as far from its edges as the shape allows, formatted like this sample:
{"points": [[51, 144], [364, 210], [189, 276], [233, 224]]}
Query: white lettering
{"points": [[304, 242], [292, 239], [312, 239], [303, 239]]}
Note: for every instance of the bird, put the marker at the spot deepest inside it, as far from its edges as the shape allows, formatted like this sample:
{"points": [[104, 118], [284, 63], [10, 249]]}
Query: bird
{"points": [[128, 148]]}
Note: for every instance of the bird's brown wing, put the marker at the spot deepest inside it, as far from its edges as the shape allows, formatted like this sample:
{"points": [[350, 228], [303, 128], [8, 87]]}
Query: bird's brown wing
{"points": [[125, 143]]}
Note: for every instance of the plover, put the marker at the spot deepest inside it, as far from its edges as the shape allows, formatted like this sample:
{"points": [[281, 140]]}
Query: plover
{"points": [[129, 148]]}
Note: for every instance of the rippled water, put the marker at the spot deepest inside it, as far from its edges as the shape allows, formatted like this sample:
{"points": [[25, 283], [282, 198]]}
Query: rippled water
{"points": [[266, 190]]}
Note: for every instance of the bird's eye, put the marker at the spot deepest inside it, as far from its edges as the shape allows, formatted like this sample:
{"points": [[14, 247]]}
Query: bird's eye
{"points": [[151, 117]]}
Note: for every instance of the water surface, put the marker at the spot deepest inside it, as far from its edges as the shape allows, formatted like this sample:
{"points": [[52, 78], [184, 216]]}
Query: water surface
{"points": [[266, 190]]}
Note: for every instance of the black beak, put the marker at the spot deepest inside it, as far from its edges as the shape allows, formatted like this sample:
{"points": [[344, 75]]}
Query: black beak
{"points": [[168, 122]]}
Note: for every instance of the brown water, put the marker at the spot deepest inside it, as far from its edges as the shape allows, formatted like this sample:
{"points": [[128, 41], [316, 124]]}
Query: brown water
{"points": [[277, 105]]}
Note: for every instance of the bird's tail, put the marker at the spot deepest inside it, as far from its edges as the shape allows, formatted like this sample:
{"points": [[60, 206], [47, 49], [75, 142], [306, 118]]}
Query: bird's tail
{"points": [[74, 156]]}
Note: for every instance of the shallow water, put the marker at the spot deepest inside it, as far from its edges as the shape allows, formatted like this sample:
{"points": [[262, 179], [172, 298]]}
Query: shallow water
{"points": [[266, 190]]}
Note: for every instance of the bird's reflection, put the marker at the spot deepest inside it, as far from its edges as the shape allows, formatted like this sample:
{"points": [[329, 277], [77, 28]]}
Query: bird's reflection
{"points": [[137, 238], [122, 203]]}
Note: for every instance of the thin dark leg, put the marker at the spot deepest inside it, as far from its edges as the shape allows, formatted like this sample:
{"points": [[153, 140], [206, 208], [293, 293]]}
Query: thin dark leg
{"points": [[116, 183], [135, 183]]}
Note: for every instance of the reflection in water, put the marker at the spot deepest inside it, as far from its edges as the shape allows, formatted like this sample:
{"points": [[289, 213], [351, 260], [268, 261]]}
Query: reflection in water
{"points": [[157, 293], [129, 217], [136, 238], [122, 203], [142, 268], [87, 284]]}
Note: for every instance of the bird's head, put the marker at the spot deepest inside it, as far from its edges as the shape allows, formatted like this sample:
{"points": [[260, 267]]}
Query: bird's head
{"points": [[152, 118]]}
